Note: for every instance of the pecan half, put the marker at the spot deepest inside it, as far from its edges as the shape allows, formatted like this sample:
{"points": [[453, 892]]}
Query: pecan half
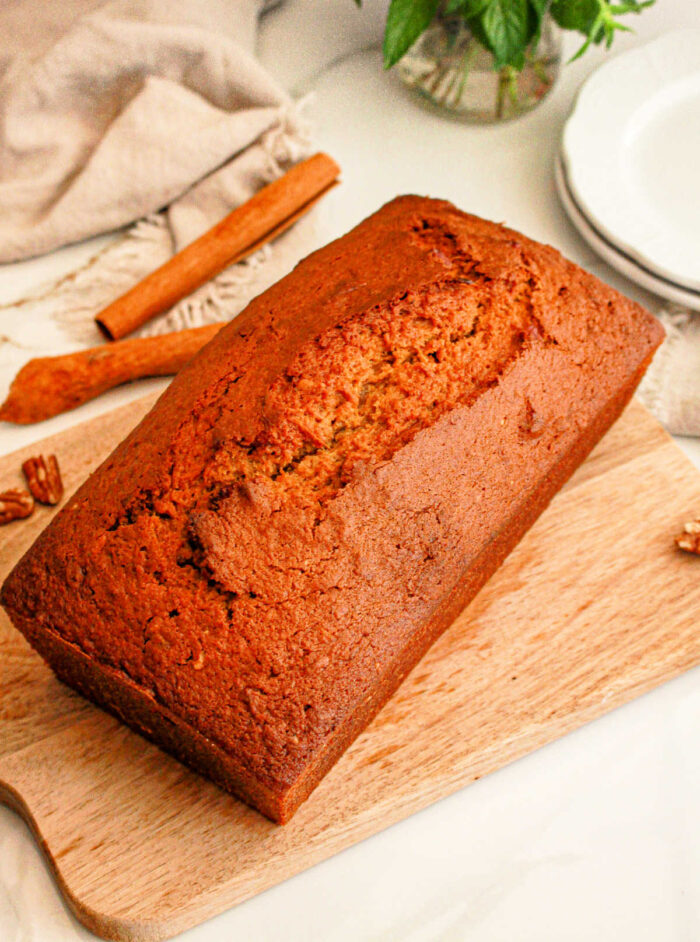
{"points": [[44, 478], [689, 539], [15, 504]]}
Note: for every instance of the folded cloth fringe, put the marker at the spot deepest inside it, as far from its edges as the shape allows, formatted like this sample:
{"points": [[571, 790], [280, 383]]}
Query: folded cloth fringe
{"points": [[671, 386]]}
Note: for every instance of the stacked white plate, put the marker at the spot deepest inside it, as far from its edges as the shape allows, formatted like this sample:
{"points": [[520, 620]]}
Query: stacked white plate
{"points": [[629, 169]]}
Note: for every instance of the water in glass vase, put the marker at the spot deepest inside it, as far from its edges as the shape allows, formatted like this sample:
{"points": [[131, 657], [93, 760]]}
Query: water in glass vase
{"points": [[455, 73]]}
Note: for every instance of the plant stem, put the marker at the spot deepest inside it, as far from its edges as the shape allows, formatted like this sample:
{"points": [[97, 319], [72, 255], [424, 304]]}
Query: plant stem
{"points": [[513, 87], [501, 96], [507, 90], [466, 66]]}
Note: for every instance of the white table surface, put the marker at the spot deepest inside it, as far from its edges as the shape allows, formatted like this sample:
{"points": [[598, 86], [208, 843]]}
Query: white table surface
{"points": [[596, 836]]}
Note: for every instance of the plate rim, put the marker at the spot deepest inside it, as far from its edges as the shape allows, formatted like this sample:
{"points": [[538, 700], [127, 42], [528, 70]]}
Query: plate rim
{"points": [[584, 125], [622, 262]]}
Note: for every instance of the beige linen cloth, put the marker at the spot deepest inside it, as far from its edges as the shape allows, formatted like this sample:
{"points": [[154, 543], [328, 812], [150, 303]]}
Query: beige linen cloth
{"points": [[671, 387], [153, 112]]}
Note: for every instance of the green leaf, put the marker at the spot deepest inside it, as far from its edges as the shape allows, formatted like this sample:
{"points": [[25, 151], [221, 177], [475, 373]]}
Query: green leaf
{"points": [[467, 8], [595, 18], [576, 14], [535, 15], [406, 20], [506, 25], [479, 33]]}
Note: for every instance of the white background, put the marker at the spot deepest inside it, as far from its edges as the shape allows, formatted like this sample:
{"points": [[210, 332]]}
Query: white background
{"points": [[595, 837]]}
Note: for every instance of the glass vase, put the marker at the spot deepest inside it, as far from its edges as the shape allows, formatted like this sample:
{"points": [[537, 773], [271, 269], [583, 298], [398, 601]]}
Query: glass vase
{"points": [[452, 71]]}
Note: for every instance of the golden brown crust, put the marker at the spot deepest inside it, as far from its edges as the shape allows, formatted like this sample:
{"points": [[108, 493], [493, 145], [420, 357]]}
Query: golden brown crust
{"points": [[252, 572]]}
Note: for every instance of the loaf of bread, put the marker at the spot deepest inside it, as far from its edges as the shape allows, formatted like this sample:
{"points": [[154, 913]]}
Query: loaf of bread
{"points": [[253, 571]]}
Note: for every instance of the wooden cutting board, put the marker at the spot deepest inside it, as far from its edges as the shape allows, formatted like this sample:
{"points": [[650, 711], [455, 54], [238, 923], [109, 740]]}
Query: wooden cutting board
{"points": [[593, 608]]}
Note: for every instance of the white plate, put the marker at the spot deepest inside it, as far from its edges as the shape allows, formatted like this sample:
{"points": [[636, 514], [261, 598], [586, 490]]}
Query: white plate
{"points": [[631, 149], [613, 256]]}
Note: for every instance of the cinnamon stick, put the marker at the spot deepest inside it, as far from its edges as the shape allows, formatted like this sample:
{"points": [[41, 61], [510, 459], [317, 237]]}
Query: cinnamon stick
{"points": [[270, 212], [47, 386]]}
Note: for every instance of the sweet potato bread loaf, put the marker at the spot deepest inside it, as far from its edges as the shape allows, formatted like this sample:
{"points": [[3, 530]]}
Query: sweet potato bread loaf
{"points": [[258, 565]]}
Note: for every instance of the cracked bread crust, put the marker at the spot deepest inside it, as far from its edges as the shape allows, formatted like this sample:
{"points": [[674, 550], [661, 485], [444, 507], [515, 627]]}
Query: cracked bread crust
{"points": [[257, 566]]}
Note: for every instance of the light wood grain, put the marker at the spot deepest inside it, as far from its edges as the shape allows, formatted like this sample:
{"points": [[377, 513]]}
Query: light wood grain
{"points": [[594, 607]]}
